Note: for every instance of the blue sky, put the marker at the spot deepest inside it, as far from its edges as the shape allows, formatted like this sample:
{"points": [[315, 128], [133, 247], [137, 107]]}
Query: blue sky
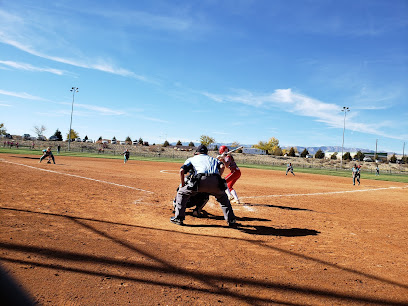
{"points": [[238, 70]]}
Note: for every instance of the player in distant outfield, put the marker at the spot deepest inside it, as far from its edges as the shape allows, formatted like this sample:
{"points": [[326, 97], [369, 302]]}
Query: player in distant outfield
{"points": [[356, 174], [47, 153], [289, 168], [126, 154]]}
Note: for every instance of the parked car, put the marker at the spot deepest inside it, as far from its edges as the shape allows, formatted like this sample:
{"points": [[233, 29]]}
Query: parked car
{"points": [[400, 161], [26, 137], [8, 136], [78, 139], [113, 141], [309, 156], [123, 142], [53, 138], [89, 140], [367, 159], [42, 138], [135, 142]]}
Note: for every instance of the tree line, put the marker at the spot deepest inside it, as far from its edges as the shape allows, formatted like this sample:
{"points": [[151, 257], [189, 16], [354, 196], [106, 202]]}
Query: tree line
{"points": [[270, 146]]}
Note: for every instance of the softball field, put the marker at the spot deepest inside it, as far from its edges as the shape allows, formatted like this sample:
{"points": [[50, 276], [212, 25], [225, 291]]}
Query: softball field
{"points": [[90, 231]]}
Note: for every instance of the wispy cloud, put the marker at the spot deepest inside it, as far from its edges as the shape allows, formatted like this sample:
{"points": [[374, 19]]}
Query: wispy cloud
{"points": [[30, 35], [104, 111], [94, 110], [29, 67], [145, 20], [22, 95], [302, 105]]}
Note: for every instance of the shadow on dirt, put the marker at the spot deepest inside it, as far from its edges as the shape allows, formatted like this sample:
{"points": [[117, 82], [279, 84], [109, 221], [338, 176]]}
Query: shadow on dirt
{"points": [[271, 231], [27, 157], [208, 215], [217, 284], [277, 206], [12, 292]]}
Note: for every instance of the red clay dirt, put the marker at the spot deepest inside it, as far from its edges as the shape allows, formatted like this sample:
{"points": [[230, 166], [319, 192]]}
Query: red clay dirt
{"points": [[90, 231]]}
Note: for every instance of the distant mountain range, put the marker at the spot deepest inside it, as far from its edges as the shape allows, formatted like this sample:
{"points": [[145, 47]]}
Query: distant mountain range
{"points": [[312, 150]]}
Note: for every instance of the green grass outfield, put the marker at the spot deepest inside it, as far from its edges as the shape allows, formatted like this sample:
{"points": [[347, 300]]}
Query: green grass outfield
{"points": [[402, 178]]}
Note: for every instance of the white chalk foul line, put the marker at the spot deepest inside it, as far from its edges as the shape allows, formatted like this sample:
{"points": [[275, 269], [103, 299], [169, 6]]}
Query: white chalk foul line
{"points": [[78, 176], [321, 193], [168, 171]]}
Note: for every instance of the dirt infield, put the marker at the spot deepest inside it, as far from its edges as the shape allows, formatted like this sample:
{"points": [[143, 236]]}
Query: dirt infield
{"points": [[97, 232]]}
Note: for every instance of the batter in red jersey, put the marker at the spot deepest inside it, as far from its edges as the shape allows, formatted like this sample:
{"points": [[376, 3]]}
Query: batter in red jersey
{"points": [[234, 175]]}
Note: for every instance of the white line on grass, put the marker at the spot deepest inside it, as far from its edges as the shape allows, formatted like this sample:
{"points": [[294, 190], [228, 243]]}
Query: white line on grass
{"points": [[78, 176], [320, 193]]}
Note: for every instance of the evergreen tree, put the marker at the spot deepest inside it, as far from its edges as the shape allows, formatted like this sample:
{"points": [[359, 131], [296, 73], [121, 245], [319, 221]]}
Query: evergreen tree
{"points": [[292, 152], [319, 154], [304, 153], [393, 159], [347, 156], [359, 156], [166, 144], [58, 135], [334, 156], [179, 143], [191, 144]]}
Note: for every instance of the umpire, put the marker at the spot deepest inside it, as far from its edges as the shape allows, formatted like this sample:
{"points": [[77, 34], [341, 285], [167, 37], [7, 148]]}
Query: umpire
{"points": [[207, 178]]}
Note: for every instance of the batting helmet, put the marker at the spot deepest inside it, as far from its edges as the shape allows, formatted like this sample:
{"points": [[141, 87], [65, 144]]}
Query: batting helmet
{"points": [[223, 149]]}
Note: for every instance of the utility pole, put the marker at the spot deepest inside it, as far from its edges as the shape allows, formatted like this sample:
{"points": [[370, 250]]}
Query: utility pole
{"points": [[74, 90], [375, 156], [345, 110]]}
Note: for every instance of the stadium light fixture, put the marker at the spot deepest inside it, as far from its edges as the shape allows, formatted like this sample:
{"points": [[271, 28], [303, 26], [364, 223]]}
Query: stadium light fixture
{"points": [[345, 110], [74, 90]]}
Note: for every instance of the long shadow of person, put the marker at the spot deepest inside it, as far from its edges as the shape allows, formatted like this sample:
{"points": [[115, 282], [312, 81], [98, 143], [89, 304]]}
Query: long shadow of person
{"points": [[271, 231]]}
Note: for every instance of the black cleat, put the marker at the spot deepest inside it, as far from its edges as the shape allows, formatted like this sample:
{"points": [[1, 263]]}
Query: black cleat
{"points": [[176, 221], [233, 223]]}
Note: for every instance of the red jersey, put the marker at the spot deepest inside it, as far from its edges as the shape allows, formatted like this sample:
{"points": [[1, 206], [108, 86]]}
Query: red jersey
{"points": [[232, 165]]}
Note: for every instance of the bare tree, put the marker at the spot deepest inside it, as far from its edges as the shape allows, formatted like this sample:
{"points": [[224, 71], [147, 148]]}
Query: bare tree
{"points": [[39, 130]]}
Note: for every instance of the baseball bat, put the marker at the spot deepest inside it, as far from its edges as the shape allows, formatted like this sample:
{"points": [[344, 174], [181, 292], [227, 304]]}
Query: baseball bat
{"points": [[229, 152], [236, 149]]}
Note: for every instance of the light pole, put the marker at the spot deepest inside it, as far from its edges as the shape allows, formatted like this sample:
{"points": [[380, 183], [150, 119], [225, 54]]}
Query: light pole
{"points": [[74, 90], [345, 110]]}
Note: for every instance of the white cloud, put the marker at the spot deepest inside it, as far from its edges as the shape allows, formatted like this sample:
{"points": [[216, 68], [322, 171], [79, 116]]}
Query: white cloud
{"points": [[31, 36], [29, 67], [100, 110], [22, 95], [145, 20], [302, 105]]}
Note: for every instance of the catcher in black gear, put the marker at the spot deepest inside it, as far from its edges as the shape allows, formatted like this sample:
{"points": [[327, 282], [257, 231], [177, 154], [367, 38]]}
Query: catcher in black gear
{"points": [[198, 201]]}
